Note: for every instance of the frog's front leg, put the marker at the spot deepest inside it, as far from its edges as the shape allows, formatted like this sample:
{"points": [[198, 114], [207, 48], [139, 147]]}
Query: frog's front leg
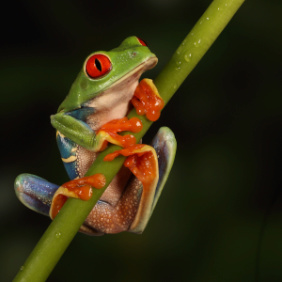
{"points": [[82, 134], [75, 129]]}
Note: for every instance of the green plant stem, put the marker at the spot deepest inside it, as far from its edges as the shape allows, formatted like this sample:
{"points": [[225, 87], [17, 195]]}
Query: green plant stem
{"points": [[62, 230]]}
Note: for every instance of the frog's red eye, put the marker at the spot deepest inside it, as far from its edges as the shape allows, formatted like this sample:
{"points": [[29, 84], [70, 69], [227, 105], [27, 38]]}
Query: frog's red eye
{"points": [[142, 42], [98, 65]]}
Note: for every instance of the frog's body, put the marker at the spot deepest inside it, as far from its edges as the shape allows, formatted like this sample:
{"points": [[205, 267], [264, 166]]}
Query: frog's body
{"points": [[97, 112], [100, 95]]}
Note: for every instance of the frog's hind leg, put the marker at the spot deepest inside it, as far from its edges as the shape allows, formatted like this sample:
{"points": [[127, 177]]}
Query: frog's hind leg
{"points": [[35, 192], [165, 145], [135, 206]]}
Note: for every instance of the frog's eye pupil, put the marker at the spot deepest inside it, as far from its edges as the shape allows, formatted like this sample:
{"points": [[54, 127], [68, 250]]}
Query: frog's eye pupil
{"points": [[98, 65]]}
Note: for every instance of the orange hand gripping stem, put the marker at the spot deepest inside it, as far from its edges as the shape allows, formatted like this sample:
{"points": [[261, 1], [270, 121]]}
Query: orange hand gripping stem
{"points": [[147, 100], [108, 132]]}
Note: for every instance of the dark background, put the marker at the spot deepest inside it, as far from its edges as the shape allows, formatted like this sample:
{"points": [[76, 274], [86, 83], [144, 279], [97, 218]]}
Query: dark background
{"points": [[220, 215]]}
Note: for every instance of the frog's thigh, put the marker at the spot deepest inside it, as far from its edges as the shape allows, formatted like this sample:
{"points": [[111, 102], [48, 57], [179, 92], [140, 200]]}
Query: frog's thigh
{"points": [[108, 218]]}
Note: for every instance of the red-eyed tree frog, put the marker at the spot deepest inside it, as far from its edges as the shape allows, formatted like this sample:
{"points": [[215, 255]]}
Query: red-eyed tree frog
{"points": [[92, 114]]}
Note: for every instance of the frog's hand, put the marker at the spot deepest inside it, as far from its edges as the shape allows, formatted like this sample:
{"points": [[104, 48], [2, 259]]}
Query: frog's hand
{"points": [[147, 100], [35, 192]]}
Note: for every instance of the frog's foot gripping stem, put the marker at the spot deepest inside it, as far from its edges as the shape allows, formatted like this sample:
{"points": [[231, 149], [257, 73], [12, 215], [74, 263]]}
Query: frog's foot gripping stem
{"points": [[80, 188], [47, 198]]}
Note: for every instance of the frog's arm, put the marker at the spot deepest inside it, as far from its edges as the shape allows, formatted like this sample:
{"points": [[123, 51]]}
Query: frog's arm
{"points": [[82, 134], [75, 129]]}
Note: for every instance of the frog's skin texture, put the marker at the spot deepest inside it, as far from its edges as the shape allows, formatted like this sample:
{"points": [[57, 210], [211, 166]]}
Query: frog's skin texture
{"points": [[96, 98]]}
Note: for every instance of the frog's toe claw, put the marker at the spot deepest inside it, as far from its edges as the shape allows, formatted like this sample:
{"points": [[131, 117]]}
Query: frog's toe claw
{"points": [[35, 192]]}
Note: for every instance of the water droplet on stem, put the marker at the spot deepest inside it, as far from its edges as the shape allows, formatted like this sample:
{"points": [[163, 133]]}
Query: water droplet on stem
{"points": [[58, 234]]}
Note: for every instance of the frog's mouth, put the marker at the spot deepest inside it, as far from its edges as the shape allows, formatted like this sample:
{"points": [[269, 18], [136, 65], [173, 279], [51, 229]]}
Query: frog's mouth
{"points": [[114, 102], [139, 70]]}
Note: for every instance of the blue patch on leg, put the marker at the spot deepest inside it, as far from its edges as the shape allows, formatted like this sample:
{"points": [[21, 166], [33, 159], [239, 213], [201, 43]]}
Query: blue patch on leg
{"points": [[35, 192]]}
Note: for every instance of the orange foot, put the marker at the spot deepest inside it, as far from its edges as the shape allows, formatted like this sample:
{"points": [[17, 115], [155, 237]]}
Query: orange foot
{"points": [[142, 162], [80, 188]]}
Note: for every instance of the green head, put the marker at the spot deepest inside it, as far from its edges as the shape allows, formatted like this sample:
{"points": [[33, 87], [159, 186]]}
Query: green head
{"points": [[101, 70]]}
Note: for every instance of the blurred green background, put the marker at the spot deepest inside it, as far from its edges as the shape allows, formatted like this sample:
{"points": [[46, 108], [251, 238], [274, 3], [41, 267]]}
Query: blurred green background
{"points": [[220, 215]]}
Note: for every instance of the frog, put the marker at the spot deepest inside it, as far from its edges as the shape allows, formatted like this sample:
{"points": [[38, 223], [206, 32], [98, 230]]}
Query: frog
{"points": [[94, 115]]}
